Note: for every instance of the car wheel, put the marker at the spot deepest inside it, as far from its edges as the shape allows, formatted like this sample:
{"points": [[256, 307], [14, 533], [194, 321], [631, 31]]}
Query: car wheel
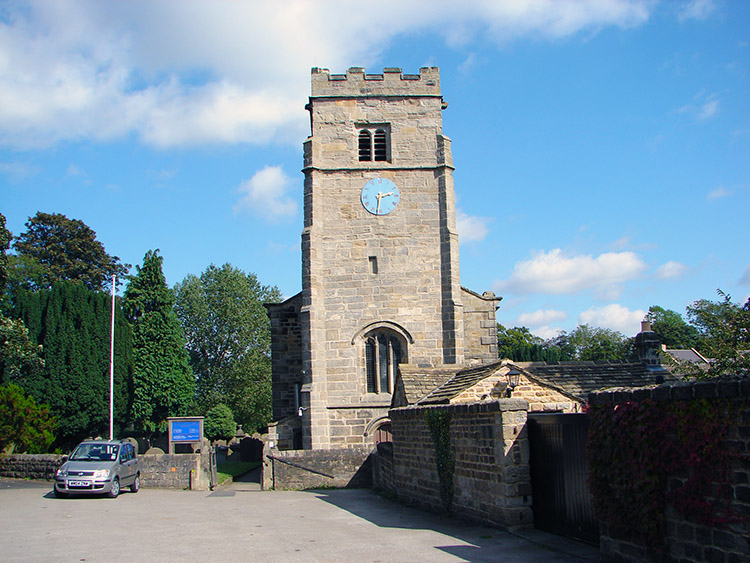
{"points": [[60, 494], [115, 489], [136, 484]]}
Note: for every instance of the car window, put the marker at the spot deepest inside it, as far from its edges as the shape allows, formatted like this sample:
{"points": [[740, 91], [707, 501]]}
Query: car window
{"points": [[95, 452]]}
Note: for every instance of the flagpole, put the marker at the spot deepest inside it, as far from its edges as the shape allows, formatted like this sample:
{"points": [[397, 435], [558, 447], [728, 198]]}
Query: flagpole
{"points": [[112, 366]]}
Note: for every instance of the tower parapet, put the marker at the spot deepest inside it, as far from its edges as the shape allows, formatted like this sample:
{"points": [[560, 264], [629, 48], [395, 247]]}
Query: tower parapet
{"points": [[392, 82]]}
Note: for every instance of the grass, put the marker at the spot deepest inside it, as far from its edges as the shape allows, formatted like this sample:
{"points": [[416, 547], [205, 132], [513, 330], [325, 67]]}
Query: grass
{"points": [[231, 469]]}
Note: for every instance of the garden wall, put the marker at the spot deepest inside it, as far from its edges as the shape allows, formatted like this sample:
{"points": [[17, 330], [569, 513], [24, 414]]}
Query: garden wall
{"points": [[468, 460], [694, 524], [30, 466]]}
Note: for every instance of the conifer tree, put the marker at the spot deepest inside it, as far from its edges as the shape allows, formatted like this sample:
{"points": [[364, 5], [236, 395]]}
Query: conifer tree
{"points": [[163, 383], [72, 324]]}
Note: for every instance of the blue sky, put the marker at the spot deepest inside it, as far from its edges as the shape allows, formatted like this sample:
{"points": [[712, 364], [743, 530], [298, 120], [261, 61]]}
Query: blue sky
{"points": [[602, 148]]}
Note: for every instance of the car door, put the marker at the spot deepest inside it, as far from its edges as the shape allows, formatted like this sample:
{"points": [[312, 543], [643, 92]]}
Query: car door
{"points": [[127, 465]]}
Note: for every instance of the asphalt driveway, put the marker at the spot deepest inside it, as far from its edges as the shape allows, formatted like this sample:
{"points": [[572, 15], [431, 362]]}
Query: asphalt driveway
{"points": [[241, 523]]}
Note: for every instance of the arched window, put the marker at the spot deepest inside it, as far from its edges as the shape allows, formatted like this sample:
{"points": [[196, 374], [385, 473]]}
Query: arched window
{"points": [[365, 145], [384, 350]]}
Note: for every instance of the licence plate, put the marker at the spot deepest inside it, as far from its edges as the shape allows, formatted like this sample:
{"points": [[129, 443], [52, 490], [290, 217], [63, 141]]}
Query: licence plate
{"points": [[86, 484]]}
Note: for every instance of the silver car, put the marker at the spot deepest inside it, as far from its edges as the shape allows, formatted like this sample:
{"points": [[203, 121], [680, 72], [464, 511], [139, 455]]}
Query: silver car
{"points": [[99, 467]]}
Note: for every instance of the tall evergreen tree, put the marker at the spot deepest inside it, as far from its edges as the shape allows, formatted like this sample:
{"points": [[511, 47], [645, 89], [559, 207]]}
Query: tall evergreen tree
{"points": [[163, 383], [72, 324]]}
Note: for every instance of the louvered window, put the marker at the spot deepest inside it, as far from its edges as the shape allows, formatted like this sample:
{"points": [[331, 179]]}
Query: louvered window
{"points": [[381, 146], [365, 145], [374, 145]]}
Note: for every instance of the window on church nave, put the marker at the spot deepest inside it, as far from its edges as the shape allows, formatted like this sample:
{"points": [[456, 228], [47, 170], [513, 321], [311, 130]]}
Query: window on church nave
{"points": [[373, 144], [383, 352]]}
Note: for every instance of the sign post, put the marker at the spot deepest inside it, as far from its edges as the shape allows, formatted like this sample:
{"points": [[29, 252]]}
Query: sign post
{"points": [[185, 430]]}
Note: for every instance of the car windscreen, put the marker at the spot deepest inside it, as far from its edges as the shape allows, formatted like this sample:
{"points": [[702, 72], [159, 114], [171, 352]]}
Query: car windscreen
{"points": [[95, 452]]}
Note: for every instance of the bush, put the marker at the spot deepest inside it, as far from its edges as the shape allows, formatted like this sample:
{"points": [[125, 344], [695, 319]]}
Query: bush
{"points": [[219, 423], [24, 424]]}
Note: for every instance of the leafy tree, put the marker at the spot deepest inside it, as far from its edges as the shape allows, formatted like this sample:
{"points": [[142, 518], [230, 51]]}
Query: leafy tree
{"points": [[55, 248], [19, 356], [26, 426], [519, 344], [228, 336], [672, 328], [73, 326], [725, 330], [587, 343], [219, 423], [163, 383]]}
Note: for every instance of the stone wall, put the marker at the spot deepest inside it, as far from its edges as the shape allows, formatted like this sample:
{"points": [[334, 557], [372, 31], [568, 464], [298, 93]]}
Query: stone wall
{"points": [[311, 469], [688, 541], [489, 445], [30, 466], [180, 471], [176, 471], [544, 399]]}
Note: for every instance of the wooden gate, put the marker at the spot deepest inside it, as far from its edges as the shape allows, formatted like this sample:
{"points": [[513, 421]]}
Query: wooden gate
{"points": [[561, 500]]}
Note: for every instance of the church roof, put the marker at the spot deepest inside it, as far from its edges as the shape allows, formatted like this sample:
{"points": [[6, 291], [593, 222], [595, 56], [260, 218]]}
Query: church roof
{"points": [[418, 381]]}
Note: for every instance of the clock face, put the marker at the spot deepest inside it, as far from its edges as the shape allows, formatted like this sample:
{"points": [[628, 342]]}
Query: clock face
{"points": [[380, 196]]}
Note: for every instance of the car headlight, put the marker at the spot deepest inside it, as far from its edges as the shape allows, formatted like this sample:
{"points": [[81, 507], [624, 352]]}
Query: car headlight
{"points": [[101, 474], [62, 472]]}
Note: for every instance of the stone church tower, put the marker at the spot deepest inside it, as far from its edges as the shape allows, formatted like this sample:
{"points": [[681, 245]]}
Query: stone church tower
{"points": [[380, 270]]}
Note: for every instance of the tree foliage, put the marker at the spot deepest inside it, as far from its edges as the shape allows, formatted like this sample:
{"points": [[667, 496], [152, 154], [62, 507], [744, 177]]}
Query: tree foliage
{"points": [[72, 324], [672, 329], [55, 248], [219, 423], [725, 333], [26, 426], [228, 337], [163, 383], [519, 344], [20, 358]]}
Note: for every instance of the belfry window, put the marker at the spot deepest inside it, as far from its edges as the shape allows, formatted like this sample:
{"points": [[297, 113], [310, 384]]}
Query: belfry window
{"points": [[374, 144], [384, 350]]}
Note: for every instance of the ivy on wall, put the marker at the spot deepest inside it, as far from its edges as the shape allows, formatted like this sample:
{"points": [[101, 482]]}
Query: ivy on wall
{"points": [[645, 455], [439, 423]]}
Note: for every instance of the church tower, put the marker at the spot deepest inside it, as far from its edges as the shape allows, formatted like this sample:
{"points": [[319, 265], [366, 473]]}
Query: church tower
{"points": [[380, 270]]}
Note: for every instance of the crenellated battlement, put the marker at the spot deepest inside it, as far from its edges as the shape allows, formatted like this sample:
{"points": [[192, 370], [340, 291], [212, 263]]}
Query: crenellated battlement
{"points": [[393, 82]]}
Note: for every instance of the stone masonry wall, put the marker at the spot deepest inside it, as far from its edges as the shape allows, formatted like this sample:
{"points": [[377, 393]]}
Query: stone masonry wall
{"points": [[171, 471], [489, 443], [544, 399], [310, 469], [688, 541], [31, 466]]}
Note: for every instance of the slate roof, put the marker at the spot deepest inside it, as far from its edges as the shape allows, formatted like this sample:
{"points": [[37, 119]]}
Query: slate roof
{"points": [[573, 379], [460, 382], [578, 379], [417, 382]]}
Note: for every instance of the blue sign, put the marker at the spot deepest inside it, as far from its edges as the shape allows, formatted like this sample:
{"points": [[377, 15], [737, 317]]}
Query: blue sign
{"points": [[186, 431]]}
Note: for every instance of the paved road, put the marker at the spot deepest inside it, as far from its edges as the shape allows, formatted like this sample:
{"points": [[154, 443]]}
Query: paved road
{"points": [[241, 523]]}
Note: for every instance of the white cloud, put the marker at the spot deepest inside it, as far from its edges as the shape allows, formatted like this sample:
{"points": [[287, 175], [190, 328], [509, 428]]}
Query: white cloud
{"points": [[718, 193], [17, 171], [546, 332], [696, 10], [705, 106], [615, 317], [745, 279], [670, 270], [541, 317], [470, 227], [264, 195], [555, 273], [193, 72]]}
